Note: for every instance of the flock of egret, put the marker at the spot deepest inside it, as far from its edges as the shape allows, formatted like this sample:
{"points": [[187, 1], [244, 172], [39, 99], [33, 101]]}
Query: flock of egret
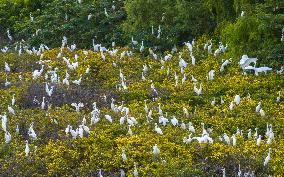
{"points": [[52, 78]]}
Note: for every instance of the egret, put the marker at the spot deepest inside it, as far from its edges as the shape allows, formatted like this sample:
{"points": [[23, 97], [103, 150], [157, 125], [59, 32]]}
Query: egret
{"points": [[197, 91], [221, 100], [182, 63], [77, 106], [122, 173], [43, 103], [90, 16], [193, 79], [8, 137], [78, 82], [231, 106], [183, 126], [213, 102], [211, 75], [257, 109], [133, 42], [11, 110], [237, 99], [183, 79], [106, 14], [226, 138], [262, 113], [224, 172], [123, 155], [67, 130], [187, 140], [234, 140], [48, 91], [225, 63], [108, 117], [192, 59], [100, 173], [185, 111], [27, 149], [31, 132], [267, 158], [17, 129], [80, 131], [163, 120], [246, 61], [258, 140], [9, 35], [249, 134], [191, 127], [142, 47], [158, 130], [7, 83], [156, 150], [174, 121], [13, 100], [74, 133], [37, 73], [278, 97], [7, 67], [4, 122], [135, 171]]}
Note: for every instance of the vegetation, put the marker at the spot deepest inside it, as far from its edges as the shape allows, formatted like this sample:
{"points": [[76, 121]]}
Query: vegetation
{"points": [[71, 107]]}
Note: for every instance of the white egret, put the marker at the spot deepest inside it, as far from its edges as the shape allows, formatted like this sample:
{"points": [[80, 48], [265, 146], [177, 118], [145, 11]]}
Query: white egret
{"points": [[267, 158], [156, 150]]}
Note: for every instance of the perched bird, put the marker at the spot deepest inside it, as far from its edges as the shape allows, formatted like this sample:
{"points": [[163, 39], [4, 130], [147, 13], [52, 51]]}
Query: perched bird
{"points": [[278, 97], [225, 63], [8, 137], [257, 109], [237, 99], [156, 150], [77, 106], [262, 113], [267, 158], [135, 171], [106, 14], [191, 127], [226, 138], [197, 91], [78, 82], [213, 102], [27, 149], [37, 73], [232, 106], [11, 110], [158, 130], [13, 100], [7, 67], [211, 75], [90, 16], [174, 121], [258, 140], [249, 133], [129, 130], [193, 79], [187, 140], [123, 155], [108, 117]]}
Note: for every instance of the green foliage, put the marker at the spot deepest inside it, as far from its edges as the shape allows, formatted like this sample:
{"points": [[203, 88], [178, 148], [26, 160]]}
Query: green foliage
{"points": [[179, 21], [56, 154], [258, 34], [70, 19]]}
